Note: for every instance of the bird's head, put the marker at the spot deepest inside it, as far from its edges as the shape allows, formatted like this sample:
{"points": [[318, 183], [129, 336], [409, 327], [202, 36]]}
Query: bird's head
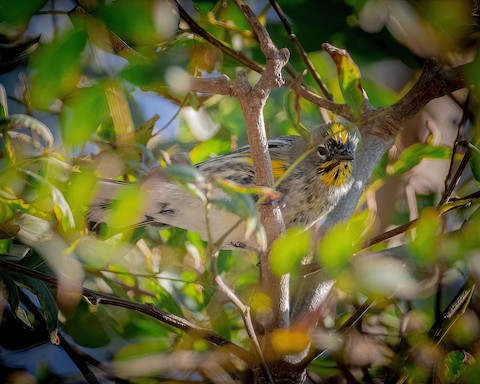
{"points": [[335, 148]]}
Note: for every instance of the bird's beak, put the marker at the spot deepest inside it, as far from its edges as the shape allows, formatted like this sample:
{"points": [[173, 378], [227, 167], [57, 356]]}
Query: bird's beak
{"points": [[342, 157]]}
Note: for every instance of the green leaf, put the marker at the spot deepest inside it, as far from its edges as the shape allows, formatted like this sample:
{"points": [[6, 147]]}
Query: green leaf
{"points": [[149, 22], [47, 302], [19, 12], [152, 75], [340, 243], [83, 113], [23, 206], [144, 348], [61, 209], [349, 79], [455, 365], [219, 144], [86, 327], [426, 242], [289, 250], [164, 299], [415, 153], [78, 194], [10, 292], [127, 208], [57, 68]]}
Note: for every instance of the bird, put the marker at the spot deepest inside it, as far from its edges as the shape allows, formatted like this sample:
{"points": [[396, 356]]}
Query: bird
{"points": [[310, 190]]}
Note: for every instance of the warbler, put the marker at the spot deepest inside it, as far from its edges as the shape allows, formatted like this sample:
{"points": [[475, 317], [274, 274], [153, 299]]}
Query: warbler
{"points": [[310, 190]]}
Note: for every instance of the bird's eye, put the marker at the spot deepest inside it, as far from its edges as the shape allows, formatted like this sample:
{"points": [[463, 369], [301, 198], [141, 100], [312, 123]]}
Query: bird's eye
{"points": [[322, 152]]}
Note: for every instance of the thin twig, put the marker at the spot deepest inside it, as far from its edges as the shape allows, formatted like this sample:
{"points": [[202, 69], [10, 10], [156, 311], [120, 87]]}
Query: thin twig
{"points": [[198, 30], [456, 177], [301, 50]]}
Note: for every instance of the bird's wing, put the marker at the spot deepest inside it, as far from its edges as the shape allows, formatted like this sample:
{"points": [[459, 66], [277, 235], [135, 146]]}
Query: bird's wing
{"points": [[237, 165]]}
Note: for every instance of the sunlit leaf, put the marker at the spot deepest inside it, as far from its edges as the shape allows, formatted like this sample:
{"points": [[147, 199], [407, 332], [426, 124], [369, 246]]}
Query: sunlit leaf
{"points": [[149, 21], [426, 242], [340, 243], [83, 113], [415, 153], [289, 250], [78, 194], [23, 206], [218, 144], [57, 67], [127, 208], [349, 78]]}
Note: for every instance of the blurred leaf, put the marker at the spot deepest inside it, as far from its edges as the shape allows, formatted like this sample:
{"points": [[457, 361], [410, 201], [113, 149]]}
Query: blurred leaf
{"points": [[149, 21], [340, 243], [152, 75], [184, 174], [24, 206], [86, 327], [349, 79], [415, 153], [127, 208], [61, 208], [217, 145], [289, 250], [57, 68], [79, 191], [19, 12], [164, 299], [426, 243], [47, 302], [144, 348], [83, 113]]}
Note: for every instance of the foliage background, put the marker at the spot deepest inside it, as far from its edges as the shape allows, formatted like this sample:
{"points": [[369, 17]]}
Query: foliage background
{"points": [[96, 78]]}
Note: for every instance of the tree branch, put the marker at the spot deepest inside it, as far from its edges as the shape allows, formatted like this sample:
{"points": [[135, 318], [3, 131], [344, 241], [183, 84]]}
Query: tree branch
{"points": [[252, 102], [148, 309]]}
